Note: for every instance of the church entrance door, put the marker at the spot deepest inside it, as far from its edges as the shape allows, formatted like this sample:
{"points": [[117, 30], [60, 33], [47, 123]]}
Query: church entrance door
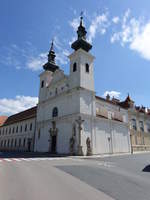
{"points": [[53, 144], [53, 138]]}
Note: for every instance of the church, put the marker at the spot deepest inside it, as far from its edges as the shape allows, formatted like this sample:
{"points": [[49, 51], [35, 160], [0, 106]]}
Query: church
{"points": [[69, 118]]}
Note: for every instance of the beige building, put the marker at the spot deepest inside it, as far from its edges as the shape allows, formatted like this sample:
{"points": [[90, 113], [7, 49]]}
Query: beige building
{"points": [[139, 125]]}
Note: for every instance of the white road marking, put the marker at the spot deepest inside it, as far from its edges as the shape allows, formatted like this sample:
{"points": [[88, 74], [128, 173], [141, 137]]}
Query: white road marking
{"points": [[25, 159], [8, 160], [16, 159], [38, 159], [106, 164]]}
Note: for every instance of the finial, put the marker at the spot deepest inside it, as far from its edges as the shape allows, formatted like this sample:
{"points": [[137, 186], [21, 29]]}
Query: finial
{"points": [[52, 45], [51, 55], [81, 18]]}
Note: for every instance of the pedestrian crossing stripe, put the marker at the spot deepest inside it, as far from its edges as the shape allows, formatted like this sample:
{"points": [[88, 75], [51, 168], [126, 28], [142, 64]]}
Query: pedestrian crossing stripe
{"points": [[31, 159]]}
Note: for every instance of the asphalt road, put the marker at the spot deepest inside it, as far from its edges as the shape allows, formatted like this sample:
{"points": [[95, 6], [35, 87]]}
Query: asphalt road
{"points": [[121, 177]]}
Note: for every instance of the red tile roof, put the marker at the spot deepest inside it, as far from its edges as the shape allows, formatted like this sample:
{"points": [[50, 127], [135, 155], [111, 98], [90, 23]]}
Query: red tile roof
{"points": [[2, 120], [27, 114]]}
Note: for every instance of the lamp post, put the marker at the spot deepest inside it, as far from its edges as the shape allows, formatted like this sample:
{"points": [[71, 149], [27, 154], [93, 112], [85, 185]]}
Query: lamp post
{"points": [[80, 122]]}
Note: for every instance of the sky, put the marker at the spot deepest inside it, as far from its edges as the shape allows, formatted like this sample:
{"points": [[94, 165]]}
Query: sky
{"points": [[118, 30]]}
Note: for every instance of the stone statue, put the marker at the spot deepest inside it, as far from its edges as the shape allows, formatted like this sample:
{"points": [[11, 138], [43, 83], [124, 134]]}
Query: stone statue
{"points": [[72, 142], [80, 121], [88, 144]]}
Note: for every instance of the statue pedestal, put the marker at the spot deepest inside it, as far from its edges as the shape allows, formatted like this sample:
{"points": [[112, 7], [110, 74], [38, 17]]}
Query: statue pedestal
{"points": [[80, 152]]}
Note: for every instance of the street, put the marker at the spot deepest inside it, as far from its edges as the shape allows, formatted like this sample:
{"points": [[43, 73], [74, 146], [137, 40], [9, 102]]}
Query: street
{"points": [[124, 177]]}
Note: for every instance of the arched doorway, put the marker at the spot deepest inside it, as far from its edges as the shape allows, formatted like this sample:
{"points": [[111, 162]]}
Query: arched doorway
{"points": [[53, 138]]}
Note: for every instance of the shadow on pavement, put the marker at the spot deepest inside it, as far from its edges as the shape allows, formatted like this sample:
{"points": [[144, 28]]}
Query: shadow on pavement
{"points": [[28, 155], [146, 169]]}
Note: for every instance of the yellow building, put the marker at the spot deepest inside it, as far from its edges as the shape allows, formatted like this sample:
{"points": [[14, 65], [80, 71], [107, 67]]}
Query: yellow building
{"points": [[139, 125]]}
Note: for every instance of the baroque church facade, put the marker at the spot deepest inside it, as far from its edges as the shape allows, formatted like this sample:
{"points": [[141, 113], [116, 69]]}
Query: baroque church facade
{"points": [[69, 118]]}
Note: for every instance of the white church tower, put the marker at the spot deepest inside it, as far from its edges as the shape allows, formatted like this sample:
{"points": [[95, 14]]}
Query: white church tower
{"points": [[82, 79], [81, 62], [46, 76]]}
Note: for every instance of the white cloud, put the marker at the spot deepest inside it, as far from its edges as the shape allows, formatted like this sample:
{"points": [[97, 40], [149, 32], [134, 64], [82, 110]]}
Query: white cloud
{"points": [[99, 24], [61, 52], [141, 42], [115, 20], [18, 104], [135, 33], [36, 63], [114, 94], [75, 23]]}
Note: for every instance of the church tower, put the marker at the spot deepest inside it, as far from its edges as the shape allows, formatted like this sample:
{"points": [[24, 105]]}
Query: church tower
{"points": [[46, 76], [81, 61]]}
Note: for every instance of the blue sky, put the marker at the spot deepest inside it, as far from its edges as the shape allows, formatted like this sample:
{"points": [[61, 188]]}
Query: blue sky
{"points": [[118, 30]]}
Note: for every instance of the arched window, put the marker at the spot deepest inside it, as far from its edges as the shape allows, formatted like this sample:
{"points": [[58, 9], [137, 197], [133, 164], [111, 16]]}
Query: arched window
{"points": [[42, 84], [55, 112], [133, 124], [39, 134], [87, 68], [12, 142], [74, 67]]}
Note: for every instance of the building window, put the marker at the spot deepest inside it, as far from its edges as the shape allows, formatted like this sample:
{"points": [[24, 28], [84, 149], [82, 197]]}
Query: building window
{"points": [[15, 142], [42, 84], [56, 91], [55, 112], [19, 142], [5, 143], [12, 142], [17, 129], [133, 124], [31, 127], [39, 134], [25, 128], [0, 132], [24, 142], [87, 68], [8, 143], [148, 127], [21, 128], [13, 130], [6, 130], [9, 130], [74, 67], [141, 124]]}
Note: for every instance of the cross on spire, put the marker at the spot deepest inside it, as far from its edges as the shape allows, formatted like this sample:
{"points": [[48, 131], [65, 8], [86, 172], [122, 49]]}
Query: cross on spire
{"points": [[81, 18], [52, 45]]}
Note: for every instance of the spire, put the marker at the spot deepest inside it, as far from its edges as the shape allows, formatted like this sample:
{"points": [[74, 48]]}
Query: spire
{"points": [[81, 41], [51, 65], [51, 55]]}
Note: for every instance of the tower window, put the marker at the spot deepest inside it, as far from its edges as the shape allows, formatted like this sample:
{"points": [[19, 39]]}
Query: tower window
{"points": [[25, 128], [87, 68], [55, 112], [39, 134], [74, 67], [31, 127], [42, 84], [56, 91]]}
